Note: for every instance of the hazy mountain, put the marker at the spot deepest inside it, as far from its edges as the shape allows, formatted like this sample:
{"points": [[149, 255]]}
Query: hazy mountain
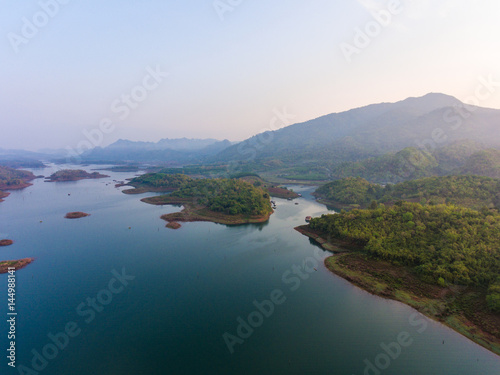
{"points": [[430, 121], [173, 151]]}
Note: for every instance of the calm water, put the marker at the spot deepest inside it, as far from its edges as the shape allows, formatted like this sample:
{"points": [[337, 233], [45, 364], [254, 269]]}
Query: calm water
{"points": [[192, 286]]}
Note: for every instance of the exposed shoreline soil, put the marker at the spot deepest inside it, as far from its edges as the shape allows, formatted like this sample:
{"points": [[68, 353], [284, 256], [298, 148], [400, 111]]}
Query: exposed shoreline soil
{"points": [[17, 264]]}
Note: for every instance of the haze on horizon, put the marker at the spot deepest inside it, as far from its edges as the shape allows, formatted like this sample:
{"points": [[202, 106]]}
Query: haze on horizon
{"points": [[208, 69]]}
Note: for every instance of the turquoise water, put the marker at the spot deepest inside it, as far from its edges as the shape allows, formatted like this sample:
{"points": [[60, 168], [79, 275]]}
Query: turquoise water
{"points": [[191, 286]]}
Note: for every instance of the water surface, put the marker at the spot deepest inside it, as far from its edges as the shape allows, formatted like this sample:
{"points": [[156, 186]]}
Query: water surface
{"points": [[191, 286]]}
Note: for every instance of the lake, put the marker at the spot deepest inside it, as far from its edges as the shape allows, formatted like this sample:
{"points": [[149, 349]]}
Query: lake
{"points": [[119, 293]]}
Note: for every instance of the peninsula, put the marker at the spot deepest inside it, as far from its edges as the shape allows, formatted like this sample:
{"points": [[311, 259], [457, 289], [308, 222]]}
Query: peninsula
{"points": [[443, 260], [13, 179]]}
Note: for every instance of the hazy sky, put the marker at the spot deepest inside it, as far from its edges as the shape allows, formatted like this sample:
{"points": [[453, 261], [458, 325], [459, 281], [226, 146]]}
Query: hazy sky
{"points": [[65, 66]]}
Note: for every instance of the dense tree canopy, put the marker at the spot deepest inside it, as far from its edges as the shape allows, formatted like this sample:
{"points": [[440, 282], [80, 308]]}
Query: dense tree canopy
{"points": [[229, 196], [444, 243], [469, 191], [350, 190], [161, 180]]}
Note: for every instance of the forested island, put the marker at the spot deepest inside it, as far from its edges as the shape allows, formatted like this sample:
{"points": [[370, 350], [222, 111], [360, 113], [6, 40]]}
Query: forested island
{"points": [[73, 175], [444, 260], [224, 201]]}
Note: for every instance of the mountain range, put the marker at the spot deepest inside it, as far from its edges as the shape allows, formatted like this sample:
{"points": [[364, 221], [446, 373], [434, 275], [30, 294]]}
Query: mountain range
{"points": [[437, 133], [427, 122]]}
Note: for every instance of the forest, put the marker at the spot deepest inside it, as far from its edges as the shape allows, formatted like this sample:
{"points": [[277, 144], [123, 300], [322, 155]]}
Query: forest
{"points": [[163, 180], [470, 191], [228, 196], [444, 244]]}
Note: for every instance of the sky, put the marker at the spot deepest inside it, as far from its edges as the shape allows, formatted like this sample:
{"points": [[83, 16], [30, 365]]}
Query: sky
{"points": [[77, 73]]}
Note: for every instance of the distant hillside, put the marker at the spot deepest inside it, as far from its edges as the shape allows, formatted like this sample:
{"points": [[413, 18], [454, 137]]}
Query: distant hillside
{"points": [[455, 155], [371, 131], [464, 157], [407, 164]]}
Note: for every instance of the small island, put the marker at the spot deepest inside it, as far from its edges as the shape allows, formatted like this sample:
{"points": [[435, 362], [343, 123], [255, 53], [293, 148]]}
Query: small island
{"points": [[17, 264], [73, 175], [6, 242], [443, 260], [223, 201], [173, 225], [76, 215]]}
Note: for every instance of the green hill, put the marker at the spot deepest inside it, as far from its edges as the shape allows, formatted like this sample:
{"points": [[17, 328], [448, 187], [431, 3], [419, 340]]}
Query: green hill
{"points": [[483, 163], [407, 164], [444, 243]]}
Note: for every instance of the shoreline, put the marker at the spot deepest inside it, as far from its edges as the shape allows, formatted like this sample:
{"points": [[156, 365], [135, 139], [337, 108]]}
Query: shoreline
{"points": [[16, 187], [144, 189], [48, 179], [3, 194], [457, 307]]}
